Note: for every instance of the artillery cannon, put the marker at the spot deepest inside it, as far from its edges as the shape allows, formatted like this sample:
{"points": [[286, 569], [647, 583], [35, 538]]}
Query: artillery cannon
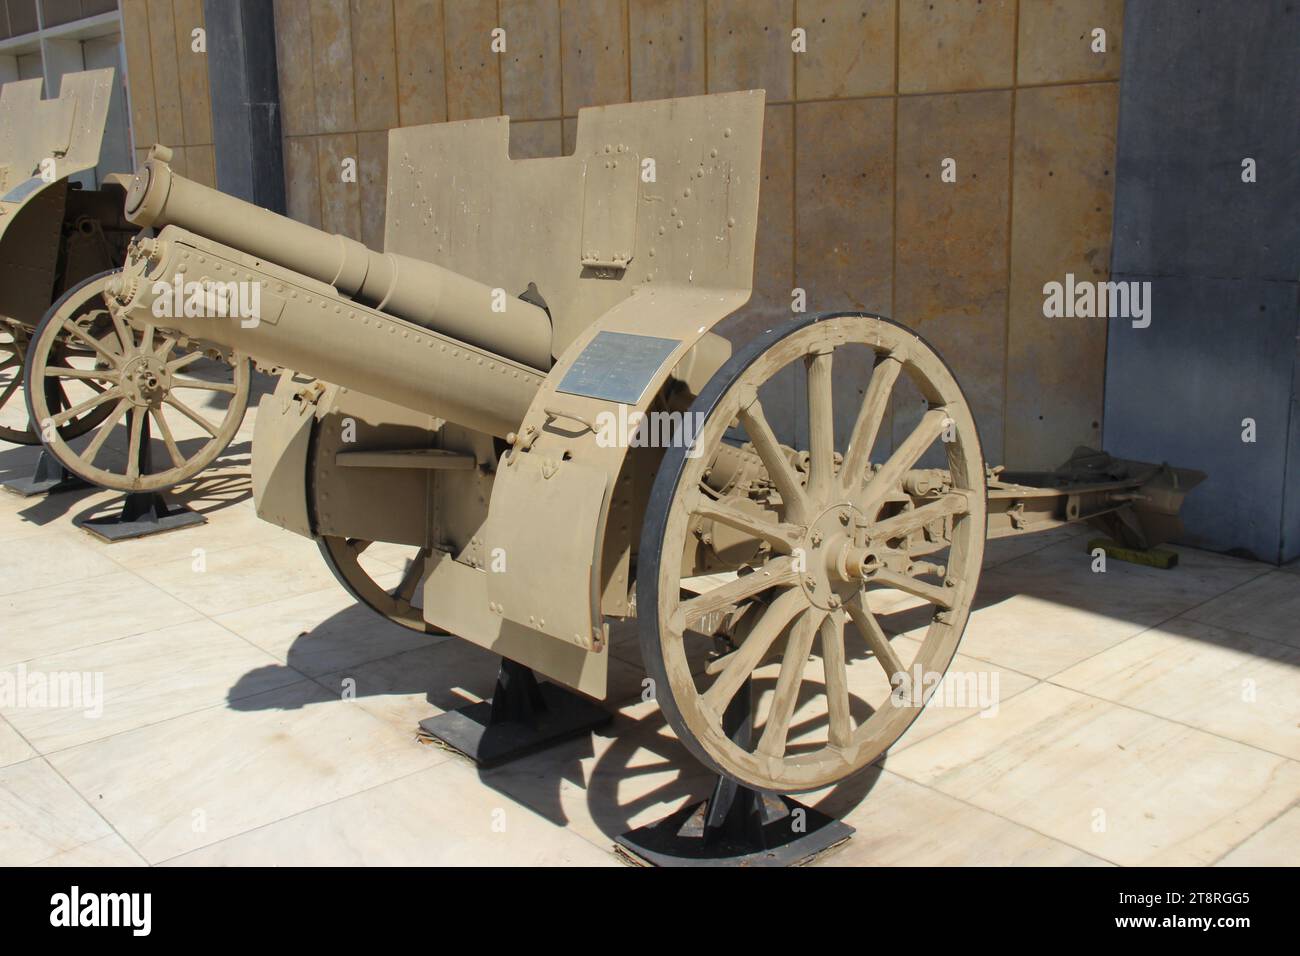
{"points": [[464, 395]]}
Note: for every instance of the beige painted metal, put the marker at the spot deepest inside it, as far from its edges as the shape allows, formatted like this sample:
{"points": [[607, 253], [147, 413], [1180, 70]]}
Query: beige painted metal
{"points": [[420, 292], [67, 130]]}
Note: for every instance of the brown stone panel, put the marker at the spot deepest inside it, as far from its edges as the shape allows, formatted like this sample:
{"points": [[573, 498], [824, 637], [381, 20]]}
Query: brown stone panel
{"points": [[667, 48], [196, 104], [180, 161], [844, 201], [374, 61], [302, 179], [331, 40], [294, 64], [950, 279], [166, 75], [530, 68], [473, 70], [749, 47], [139, 72], [372, 173], [536, 138], [569, 135], [421, 80], [774, 254], [594, 35], [203, 165], [955, 45], [1056, 40], [1061, 220], [340, 204], [850, 49]]}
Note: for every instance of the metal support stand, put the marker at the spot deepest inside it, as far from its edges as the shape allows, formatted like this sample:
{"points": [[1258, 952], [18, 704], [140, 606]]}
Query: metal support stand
{"points": [[48, 478], [736, 826], [522, 717], [143, 512]]}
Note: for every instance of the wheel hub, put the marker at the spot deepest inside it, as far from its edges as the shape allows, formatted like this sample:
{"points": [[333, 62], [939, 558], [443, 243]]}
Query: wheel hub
{"points": [[145, 380], [830, 570]]}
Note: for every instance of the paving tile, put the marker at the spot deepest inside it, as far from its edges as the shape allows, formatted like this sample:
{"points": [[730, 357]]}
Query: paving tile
{"points": [[1001, 550], [195, 780], [530, 67], [594, 37], [237, 578], [473, 70], [40, 815], [145, 679], [1044, 612], [1223, 682], [1277, 844], [1267, 606], [850, 49], [404, 689], [844, 202], [324, 631], [1056, 41], [13, 749], [955, 46], [950, 281], [444, 816], [1063, 191], [51, 558], [667, 53], [111, 850], [1117, 783], [749, 47], [421, 80], [901, 823], [49, 620]]}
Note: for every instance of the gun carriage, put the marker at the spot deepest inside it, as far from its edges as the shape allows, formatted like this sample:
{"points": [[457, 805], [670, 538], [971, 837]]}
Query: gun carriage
{"points": [[455, 395]]}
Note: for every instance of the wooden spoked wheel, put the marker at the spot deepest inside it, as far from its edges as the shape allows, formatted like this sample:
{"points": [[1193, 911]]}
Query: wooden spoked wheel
{"points": [[16, 424], [343, 555], [139, 375], [835, 539]]}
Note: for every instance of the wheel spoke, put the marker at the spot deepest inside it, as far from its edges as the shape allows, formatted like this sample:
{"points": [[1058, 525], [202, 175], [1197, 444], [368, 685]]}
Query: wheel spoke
{"points": [[63, 417], [835, 667], [904, 457], [84, 374], [783, 537], [757, 643], [173, 450], [933, 593], [405, 589], [870, 417], [175, 365], [166, 347], [821, 426], [10, 389], [135, 419], [124, 333], [101, 436], [191, 414], [112, 358], [774, 460], [777, 727], [874, 635], [778, 572], [906, 522]]}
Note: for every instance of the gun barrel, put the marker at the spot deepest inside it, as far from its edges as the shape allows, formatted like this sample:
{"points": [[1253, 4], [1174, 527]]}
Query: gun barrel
{"points": [[420, 292]]}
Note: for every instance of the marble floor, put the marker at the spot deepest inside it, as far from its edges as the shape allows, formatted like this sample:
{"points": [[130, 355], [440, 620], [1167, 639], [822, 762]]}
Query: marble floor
{"points": [[1142, 716]]}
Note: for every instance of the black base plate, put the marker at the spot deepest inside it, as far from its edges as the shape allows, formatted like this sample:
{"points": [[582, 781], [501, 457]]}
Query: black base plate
{"points": [[469, 729], [116, 527], [47, 478], [678, 840]]}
